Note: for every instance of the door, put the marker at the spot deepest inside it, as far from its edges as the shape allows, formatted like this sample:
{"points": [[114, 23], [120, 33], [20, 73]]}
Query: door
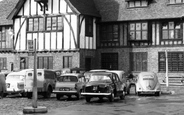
{"points": [[87, 64]]}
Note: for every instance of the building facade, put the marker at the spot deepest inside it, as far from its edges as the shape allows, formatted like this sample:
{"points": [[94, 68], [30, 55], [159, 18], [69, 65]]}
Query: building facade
{"points": [[129, 35]]}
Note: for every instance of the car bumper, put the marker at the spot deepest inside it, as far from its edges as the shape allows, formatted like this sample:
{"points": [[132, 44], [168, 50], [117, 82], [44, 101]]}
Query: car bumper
{"points": [[148, 91], [64, 92], [95, 94], [14, 91]]}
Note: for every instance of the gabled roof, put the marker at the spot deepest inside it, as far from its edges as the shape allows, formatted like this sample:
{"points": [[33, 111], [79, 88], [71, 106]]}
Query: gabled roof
{"points": [[6, 6], [116, 10], [85, 7]]}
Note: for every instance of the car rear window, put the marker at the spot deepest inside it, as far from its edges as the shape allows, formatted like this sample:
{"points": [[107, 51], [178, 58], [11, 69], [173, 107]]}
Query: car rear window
{"points": [[99, 78], [68, 79]]}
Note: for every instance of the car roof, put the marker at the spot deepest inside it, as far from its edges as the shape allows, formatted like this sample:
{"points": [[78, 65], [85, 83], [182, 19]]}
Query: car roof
{"points": [[72, 74], [98, 70], [146, 73]]}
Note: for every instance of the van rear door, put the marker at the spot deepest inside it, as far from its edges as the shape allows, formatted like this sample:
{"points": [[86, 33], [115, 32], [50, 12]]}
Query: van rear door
{"points": [[40, 79], [29, 81]]}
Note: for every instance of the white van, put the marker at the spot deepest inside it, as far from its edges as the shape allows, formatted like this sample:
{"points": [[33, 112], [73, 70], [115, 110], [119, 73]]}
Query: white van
{"points": [[15, 82], [46, 81]]}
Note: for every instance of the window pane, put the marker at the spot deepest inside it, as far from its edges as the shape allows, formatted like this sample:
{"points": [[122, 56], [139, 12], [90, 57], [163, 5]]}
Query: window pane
{"points": [[132, 35], [144, 26], [144, 35], [41, 24], [172, 1], [138, 35], [171, 25], [131, 4], [48, 23], [178, 1], [45, 62], [144, 3], [54, 23], [50, 63], [138, 26], [171, 34], [30, 24], [35, 24], [60, 23], [165, 34], [137, 3], [132, 26]]}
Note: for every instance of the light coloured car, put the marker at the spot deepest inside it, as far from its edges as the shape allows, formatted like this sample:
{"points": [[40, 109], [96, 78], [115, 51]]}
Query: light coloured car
{"points": [[69, 84], [15, 83], [147, 83]]}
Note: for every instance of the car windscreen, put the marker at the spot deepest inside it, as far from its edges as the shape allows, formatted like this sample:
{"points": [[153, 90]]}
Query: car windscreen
{"points": [[15, 77], [67, 79], [148, 77], [99, 78]]}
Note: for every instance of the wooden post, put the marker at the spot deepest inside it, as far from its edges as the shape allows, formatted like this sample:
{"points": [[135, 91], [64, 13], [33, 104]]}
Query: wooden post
{"points": [[166, 72], [34, 101]]}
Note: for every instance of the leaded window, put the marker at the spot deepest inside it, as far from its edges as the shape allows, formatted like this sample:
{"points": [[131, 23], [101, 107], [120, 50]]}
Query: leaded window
{"points": [[175, 61], [138, 61], [138, 31], [172, 30], [45, 62], [48, 24], [137, 3], [67, 61]]}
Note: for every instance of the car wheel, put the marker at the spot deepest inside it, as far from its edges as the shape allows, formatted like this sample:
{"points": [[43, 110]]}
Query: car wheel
{"points": [[58, 96], [79, 95], [122, 96], [48, 93], [138, 93], [29, 95], [88, 99], [1, 94], [111, 97], [157, 93]]}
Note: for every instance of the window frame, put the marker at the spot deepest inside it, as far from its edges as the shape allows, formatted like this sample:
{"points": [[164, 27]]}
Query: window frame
{"points": [[168, 22], [43, 24], [89, 26], [175, 61], [3, 63], [133, 2], [67, 61], [45, 62], [175, 2], [139, 61]]}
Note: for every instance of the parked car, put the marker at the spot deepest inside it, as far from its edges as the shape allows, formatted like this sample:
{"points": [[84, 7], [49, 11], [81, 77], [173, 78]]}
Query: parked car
{"points": [[69, 84], [89, 73], [147, 83], [3, 90], [15, 83], [122, 76], [46, 81], [103, 84], [131, 80]]}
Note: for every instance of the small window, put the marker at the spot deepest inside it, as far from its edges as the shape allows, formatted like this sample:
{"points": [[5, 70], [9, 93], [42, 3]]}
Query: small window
{"points": [[89, 26], [67, 61], [137, 3], [176, 1], [30, 74]]}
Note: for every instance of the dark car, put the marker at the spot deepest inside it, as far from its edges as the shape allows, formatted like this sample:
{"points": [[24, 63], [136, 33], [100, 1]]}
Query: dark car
{"points": [[104, 84]]}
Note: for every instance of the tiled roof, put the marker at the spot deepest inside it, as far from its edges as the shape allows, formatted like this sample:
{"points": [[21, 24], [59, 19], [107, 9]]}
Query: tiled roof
{"points": [[86, 7], [116, 10], [6, 6]]}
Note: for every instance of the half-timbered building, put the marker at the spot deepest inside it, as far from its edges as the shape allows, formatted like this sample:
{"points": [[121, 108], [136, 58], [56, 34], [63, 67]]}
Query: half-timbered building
{"points": [[129, 35], [64, 31]]}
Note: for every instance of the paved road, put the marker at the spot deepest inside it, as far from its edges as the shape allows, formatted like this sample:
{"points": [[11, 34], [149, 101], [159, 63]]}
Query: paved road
{"points": [[132, 105]]}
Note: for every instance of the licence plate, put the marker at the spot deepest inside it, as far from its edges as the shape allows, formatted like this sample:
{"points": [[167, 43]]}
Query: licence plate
{"points": [[64, 89]]}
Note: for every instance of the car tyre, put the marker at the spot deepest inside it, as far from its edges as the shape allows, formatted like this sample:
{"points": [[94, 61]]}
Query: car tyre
{"points": [[111, 97], [88, 99], [48, 93], [78, 95], [58, 96], [122, 97], [157, 93], [29, 95]]}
